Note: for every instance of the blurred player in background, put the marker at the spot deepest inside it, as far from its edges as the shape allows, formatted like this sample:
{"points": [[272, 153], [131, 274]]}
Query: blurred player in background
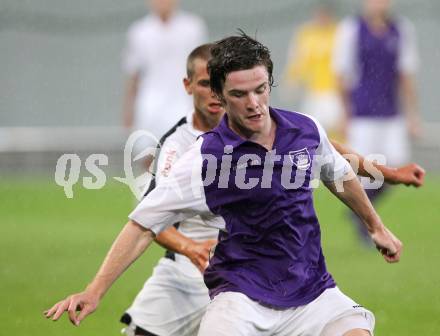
{"points": [[310, 72], [375, 58], [154, 60]]}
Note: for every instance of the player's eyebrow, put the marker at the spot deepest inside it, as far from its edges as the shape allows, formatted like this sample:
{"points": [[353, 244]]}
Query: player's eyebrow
{"points": [[261, 86], [235, 91]]}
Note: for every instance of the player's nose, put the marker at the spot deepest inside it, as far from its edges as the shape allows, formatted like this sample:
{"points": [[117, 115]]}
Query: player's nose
{"points": [[252, 101]]}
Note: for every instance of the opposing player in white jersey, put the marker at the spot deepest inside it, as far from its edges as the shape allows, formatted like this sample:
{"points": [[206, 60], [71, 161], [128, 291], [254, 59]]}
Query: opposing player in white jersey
{"points": [[174, 298]]}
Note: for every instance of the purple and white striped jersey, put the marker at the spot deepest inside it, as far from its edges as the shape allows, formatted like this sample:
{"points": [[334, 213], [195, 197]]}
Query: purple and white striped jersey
{"points": [[269, 243]]}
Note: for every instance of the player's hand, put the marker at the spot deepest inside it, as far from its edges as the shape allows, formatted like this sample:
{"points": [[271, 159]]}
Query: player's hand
{"points": [[198, 253], [387, 244], [84, 302], [410, 175]]}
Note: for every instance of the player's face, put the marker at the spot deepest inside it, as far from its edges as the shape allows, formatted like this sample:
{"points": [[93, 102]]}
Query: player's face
{"points": [[246, 100], [377, 7], [206, 104], [163, 7], [323, 15]]}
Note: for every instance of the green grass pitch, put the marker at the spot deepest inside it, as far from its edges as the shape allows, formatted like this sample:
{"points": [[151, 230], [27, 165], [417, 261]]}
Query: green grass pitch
{"points": [[50, 246]]}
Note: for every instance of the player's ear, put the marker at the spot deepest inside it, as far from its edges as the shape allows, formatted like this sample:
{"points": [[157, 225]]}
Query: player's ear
{"points": [[187, 85]]}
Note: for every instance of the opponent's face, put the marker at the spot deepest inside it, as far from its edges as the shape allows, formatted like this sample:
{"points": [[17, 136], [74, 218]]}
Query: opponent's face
{"points": [[377, 7], [206, 104], [246, 100], [163, 8]]}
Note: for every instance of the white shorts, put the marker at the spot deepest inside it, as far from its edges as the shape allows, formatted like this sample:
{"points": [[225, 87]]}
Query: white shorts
{"points": [[232, 313], [388, 137], [326, 107], [172, 301]]}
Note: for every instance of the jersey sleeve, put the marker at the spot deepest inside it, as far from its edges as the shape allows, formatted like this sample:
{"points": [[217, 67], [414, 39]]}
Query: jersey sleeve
{"points": [[408, 62], [169, 153], [344, 51], [176, 197], [201, 35], [330, 165], [131, 57]]}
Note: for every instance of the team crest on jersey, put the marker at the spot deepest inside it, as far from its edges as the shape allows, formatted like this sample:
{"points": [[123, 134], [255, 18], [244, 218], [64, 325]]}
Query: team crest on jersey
{"points": [[300, 158]]}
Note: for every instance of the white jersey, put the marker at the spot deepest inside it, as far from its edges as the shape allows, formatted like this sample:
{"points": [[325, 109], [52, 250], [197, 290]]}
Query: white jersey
{"points": [[157, 52], [173, 300], [175, 145]]}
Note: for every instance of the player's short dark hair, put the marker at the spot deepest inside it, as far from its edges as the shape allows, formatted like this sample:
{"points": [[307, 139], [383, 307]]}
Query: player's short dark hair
{"points": [[235, 53], [202, 52]]}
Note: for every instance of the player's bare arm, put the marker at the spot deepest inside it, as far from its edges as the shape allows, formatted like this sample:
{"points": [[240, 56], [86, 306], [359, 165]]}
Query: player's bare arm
{"points": [[131, 88], [353, 195], [411, 174], [409, 97], [197, 252], [346, 106], [128, 246]]}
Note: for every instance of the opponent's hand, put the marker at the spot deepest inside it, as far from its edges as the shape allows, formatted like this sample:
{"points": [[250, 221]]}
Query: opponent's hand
{"points": [[410, 175], [83, 302], [387, 244], [198, 253]]}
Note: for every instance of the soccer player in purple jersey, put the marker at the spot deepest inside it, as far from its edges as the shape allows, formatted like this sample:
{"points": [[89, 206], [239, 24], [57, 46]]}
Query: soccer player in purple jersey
{"points": [[173, 300], [376, 59], [267, 274]]}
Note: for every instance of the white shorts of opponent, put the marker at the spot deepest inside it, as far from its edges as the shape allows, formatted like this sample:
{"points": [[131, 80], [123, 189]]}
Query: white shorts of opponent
{"points": [[386, 136], [331, 314], [172, 301]]}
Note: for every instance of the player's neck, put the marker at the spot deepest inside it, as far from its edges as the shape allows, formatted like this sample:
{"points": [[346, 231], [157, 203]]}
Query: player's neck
{"points": [[378, 22], [165, 17], [202, 123], [265, 137]]}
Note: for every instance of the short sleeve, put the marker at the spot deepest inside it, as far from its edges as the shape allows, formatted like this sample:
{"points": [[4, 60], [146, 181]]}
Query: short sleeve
{"points": [[344, 50], [408, 54], [201, 35], [131, 57], [330, 165], [176, 197], [169, 153]]}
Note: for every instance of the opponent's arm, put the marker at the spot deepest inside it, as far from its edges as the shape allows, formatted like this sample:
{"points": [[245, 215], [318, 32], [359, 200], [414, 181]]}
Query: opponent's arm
{"points": [[131, 88], [353, 195], [197, 252], [410, 174], [128, 246]]}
